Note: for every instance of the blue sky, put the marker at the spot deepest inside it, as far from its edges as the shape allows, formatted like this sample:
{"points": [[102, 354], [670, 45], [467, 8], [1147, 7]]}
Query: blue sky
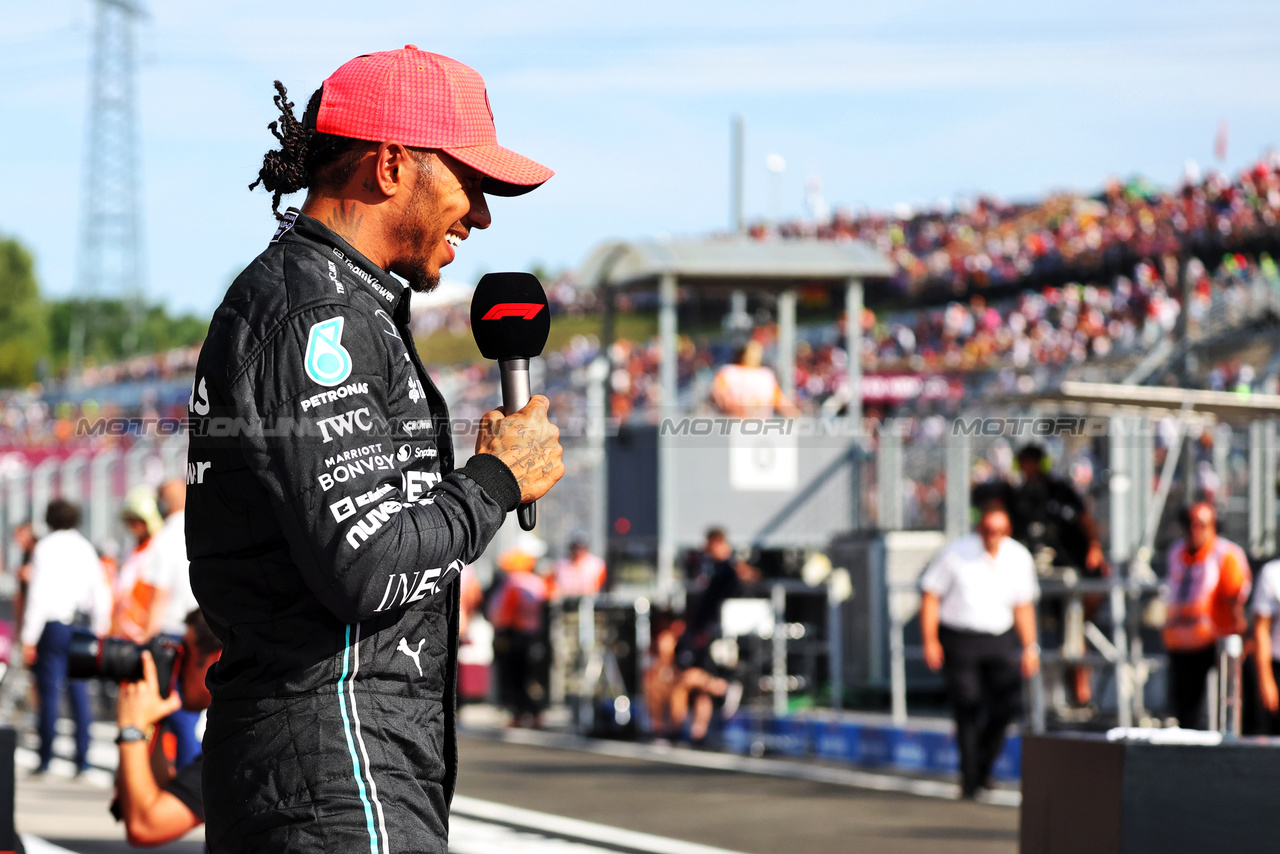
{"points": [[631, 103]]}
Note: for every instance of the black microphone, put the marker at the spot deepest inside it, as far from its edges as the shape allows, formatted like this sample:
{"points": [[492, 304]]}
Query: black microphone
{"points": [[510, 320]]}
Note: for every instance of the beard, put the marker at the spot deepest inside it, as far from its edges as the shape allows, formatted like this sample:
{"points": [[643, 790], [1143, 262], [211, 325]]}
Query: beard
{"points": [[414, 272], [412, 232]]}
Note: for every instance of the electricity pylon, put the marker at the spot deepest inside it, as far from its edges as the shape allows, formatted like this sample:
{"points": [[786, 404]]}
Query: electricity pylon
{"points": [[110, 254]]}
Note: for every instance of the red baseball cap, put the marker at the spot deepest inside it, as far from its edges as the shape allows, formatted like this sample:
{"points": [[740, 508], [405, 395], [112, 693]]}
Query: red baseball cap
{"points": [[424, 100]]}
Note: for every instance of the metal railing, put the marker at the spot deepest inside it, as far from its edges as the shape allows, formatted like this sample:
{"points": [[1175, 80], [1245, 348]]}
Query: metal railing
{"points": [[97, 482]]}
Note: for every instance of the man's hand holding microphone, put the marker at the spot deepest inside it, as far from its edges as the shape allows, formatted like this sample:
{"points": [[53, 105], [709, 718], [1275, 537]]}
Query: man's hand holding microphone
{"points": [[528, 443], [510, 320]]}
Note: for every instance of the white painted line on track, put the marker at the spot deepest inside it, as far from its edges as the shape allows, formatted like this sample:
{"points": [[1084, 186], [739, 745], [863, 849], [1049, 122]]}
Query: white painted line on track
{"points": [[36, 845], [482, 837], [574, 829], [747, 764]]}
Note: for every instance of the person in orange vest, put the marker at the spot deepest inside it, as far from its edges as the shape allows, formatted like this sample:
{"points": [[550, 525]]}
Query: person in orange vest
{"points": [[515, 611], [131, 593], [1208, 582]]}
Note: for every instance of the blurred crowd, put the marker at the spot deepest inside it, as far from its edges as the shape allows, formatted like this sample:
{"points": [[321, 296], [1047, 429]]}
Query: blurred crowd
{"points": [[1115, 255], [1104, 286], [986, 241], [178, 362], [925, 356], [1051, 327]]}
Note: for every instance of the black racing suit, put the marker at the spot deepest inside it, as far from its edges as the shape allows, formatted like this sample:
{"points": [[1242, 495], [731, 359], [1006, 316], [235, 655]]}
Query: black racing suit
{"points": [[326, 528]]}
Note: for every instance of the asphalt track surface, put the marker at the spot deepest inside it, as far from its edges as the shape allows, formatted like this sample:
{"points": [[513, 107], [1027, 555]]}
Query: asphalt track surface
{"points": [[741, 812], [575, 802]]}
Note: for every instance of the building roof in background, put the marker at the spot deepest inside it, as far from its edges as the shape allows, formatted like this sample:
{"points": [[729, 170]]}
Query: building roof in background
{"points": [[733, 261], [1103, 398]]}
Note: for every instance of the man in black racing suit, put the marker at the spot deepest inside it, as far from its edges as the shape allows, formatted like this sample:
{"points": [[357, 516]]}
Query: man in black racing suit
{"points": [[326, 523]]}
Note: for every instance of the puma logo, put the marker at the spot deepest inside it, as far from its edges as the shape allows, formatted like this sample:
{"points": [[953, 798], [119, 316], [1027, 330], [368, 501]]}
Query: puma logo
{"points": [[412, 653]]}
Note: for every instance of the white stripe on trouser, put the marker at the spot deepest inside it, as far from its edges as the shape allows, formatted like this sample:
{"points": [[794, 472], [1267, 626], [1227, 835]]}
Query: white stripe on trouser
{"points": [[368, 770], [375, 846]]}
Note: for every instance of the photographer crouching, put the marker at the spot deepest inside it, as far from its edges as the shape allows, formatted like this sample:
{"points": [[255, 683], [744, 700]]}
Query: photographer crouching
{"points": [[156, 805]]}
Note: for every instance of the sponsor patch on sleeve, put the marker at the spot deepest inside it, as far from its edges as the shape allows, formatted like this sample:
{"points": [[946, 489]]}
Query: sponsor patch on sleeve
{"points": [[327, 361]]}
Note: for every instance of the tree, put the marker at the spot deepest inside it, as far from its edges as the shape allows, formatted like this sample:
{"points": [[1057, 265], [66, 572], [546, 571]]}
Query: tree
{"points": [[24, 331], [113, 318]]}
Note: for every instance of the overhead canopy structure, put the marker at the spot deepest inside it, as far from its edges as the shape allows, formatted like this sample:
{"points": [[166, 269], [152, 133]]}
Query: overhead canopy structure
{"points": [[1139, 488], [734, 262], [1135, 518], [1223, 405]]}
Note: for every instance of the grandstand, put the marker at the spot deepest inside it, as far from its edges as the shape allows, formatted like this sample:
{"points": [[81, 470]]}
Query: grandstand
{"points": [[994, 296], [1133, 284], [984, 292]]}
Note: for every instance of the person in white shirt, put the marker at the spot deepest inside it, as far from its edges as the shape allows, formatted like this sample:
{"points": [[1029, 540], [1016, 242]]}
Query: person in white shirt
{"points": [[978, 620], [170, 572], [171, 602], [68, 588], [1266, 634]]}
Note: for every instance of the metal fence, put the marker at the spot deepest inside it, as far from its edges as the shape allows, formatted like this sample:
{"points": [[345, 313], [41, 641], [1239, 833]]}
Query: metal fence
{"points": [[97, 482]]}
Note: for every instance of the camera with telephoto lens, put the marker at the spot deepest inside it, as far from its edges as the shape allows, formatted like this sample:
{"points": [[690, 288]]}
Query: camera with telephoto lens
{"points": [[120, 660]]}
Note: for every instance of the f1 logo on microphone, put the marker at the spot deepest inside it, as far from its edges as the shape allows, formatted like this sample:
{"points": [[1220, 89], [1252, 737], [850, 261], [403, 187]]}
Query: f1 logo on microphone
{"points": [[525, 310]]}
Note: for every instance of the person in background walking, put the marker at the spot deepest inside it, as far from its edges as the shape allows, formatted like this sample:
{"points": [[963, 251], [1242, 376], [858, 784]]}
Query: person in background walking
{"points": [[68, 589], [1208, 583], [978, 620], [718, 575], [170, 574], [516, 613]]}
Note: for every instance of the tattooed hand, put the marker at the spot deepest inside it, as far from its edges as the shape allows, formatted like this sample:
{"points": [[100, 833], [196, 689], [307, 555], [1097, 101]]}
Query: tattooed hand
{"points": [[528, 443]]}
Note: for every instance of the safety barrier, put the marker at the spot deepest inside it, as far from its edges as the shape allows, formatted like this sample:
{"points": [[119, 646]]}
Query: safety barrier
{"points": [[923, 746]]}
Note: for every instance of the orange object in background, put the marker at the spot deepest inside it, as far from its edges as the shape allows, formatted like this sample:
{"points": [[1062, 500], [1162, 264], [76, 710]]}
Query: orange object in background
{"points": [[1208, 589]]}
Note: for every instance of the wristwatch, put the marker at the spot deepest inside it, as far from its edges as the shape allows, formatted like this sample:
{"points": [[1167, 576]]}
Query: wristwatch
{"points": [[130, 734], [1032, 647]]}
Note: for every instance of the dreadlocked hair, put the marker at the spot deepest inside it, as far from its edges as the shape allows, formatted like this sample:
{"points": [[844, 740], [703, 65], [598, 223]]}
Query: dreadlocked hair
{"points": [[306, 157]]}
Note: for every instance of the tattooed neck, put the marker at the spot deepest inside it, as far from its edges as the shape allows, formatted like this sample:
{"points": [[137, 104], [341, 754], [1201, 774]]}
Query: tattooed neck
{"points": [[345, 220]]}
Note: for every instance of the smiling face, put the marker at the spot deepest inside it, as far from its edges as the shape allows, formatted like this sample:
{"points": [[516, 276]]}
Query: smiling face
{"points": [[445, 204]]}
